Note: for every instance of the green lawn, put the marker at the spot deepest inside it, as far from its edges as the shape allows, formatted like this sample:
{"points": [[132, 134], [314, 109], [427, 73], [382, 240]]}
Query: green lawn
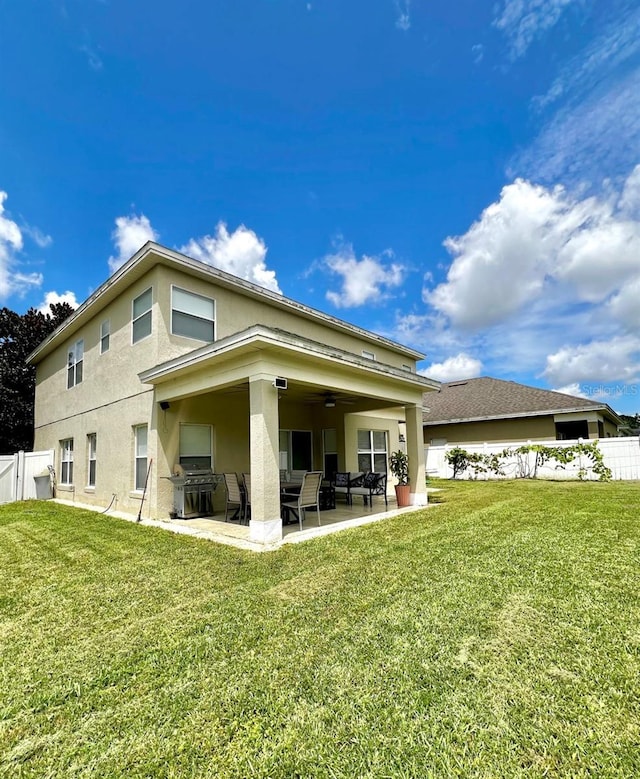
{"points": [[494, 635]]}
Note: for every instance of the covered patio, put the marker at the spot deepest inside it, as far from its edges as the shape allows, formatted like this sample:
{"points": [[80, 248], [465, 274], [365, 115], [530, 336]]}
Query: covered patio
{"points": [[343, 517], [231, 384]]}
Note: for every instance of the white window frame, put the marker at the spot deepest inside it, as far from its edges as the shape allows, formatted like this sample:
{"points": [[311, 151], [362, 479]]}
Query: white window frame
{"points": [[175, 307], [139, 458], [371, 451], [105, 336], [75, 363], [66, 462], [147, 312], [92, 444], [368, 355]]}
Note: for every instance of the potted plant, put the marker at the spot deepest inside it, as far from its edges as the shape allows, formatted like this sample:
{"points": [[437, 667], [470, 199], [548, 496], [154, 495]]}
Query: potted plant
{"points": [[399, 464]]}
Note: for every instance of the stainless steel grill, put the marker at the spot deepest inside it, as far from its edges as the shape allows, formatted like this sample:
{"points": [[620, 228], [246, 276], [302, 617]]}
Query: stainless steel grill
{"points": [[193, 493]]}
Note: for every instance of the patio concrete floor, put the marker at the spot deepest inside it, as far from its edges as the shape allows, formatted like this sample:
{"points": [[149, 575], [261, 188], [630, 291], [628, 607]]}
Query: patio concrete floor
{"points": [[235, 534]]}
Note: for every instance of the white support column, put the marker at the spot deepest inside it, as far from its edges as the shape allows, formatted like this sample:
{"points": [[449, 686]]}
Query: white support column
{"points": [[265, 526], [415, 450]]}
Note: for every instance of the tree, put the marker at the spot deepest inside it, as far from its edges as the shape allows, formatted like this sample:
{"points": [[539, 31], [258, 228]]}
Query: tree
{"points": [[20, 334], [631, 424]]}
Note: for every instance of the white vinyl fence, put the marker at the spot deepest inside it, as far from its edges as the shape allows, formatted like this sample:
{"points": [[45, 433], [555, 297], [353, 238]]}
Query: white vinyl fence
{"points": [[17, 472], [621, 455]]}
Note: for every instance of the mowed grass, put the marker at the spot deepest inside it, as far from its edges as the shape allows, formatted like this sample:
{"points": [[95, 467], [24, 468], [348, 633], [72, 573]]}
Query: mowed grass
{"points": [[494, 635]]}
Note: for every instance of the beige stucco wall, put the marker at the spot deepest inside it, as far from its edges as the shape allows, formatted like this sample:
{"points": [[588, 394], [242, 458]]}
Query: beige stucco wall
{"points": [[107, 377], [540, 428], [531, 428], [236, 312]]}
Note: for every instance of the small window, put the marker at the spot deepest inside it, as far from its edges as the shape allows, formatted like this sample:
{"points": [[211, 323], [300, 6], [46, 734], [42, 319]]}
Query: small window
{"points": [[91, 470], [372, 451], [141, 318], [192, 316], [75, 359], [66, 461], [569, 431], [105, 331], [195, 446], [368, 355], [140, 475], [407, 368]]}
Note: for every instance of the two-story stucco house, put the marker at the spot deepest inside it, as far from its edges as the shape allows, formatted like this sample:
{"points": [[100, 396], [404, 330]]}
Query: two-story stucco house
{"points": [[172, 360]]}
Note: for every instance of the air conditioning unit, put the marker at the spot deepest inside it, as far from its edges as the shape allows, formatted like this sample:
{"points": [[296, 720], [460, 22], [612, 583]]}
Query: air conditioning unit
{"points": [[280, 383]]}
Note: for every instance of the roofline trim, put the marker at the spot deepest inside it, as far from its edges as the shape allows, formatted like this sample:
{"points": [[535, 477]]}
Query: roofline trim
{"points": [[520, 415]]}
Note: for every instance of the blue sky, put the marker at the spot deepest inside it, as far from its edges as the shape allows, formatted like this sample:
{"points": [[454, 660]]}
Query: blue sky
{"points": [[461, 176]]}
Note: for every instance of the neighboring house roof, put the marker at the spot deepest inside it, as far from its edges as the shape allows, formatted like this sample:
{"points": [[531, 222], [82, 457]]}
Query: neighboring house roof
{"points": [[474, 400], [152, 254]]}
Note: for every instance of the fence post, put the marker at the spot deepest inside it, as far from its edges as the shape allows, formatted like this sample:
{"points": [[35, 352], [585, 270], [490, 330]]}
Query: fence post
{"points": [[20, 475]]}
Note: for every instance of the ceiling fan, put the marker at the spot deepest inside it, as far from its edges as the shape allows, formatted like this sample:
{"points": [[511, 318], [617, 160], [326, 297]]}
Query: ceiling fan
{"points": [[330, 399]]}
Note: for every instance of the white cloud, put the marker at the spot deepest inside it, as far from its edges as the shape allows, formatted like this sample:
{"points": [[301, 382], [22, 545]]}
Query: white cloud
{"points": [[522, 21], [629, 202], [532, 241], [241, 253], [572, 389], [368, 280], [42, 240], [478, 53], [462, 366], [597, 135], [12, 282], [51, 298], [93, 58], [403, 8], [617, 359], [614, 46], [625, 305], [544, 283], [131, 232]]}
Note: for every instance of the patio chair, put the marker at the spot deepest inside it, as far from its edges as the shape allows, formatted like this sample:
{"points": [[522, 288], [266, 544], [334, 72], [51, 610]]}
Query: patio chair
{"points": [[246, 481], [341, 483], [371, 484], [308, 497], [233, 495]]}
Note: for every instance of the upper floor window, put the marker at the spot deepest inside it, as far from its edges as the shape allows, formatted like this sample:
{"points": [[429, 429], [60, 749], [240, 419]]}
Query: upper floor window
{"points": [[66, 461], [105, 332], [141, 316], [75, 358], [368, 355], [192, 316]]}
